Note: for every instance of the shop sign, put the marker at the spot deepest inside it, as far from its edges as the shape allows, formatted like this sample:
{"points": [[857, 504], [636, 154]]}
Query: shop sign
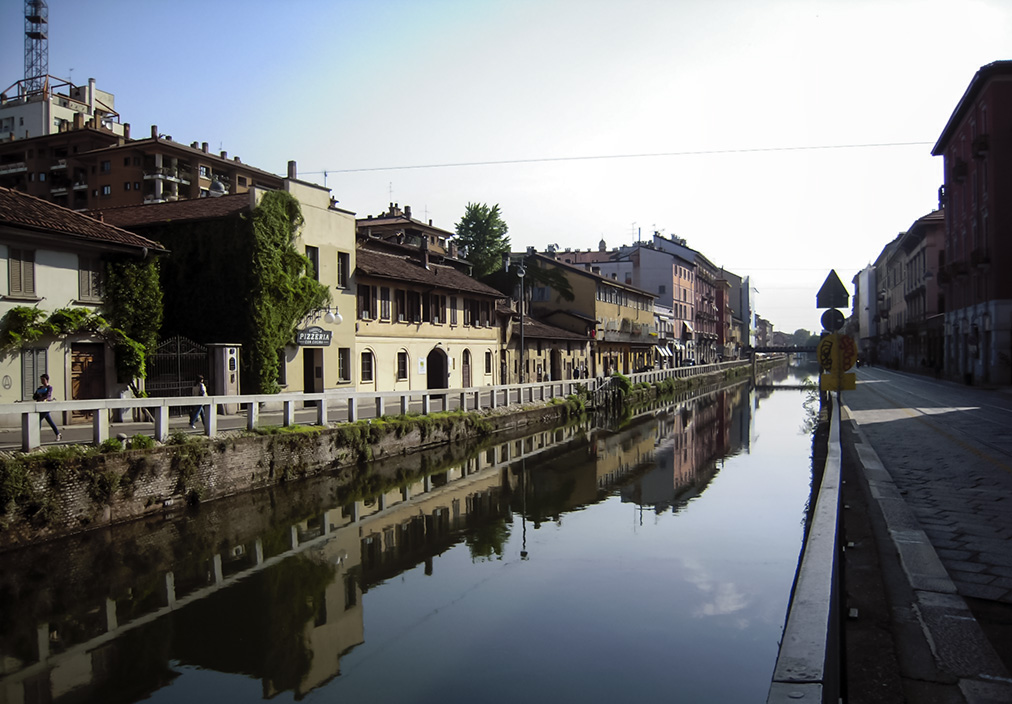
{"points": [[314, 336]]}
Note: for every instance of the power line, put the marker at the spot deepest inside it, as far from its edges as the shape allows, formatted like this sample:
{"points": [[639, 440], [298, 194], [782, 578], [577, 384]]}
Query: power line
{"points": [[704, 152]]}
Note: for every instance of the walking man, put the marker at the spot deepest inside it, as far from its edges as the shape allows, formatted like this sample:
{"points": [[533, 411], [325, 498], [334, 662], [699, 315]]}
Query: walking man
{"points": [[45, 393], [199, 389]]}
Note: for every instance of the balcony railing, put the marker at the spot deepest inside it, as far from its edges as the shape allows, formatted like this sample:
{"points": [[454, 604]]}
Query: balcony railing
{"points": [[15, 168]]}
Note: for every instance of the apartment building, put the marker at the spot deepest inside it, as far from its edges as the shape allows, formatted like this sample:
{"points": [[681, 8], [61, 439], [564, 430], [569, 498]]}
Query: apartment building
{"points": [[976, 146]]}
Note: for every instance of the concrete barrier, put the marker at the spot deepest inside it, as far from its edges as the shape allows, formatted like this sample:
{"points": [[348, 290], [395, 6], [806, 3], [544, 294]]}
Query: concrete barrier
{"points": [[808, 665]]}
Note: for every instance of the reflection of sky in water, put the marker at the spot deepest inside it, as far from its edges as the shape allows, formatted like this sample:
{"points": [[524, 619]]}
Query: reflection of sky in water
{"points": [[614, 601]]}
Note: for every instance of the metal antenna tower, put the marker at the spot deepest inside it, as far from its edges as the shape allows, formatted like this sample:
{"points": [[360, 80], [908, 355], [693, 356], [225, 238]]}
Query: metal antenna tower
{"points": [[36, 44]]}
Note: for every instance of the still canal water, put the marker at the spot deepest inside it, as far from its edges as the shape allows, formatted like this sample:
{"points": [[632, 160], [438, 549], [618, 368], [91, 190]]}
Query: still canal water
{"points": [[651, 562]]}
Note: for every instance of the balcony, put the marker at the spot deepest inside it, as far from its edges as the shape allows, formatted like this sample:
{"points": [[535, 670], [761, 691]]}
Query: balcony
{"points": [[60, 165], [16, 167], [168, 174], [58, 191]]}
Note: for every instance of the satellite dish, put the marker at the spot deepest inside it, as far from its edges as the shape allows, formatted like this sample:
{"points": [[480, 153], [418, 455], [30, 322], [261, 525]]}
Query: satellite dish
{"points": [[217, 189]]}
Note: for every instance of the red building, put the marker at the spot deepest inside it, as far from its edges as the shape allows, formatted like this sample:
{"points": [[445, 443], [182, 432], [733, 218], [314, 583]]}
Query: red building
{"points": [[976, 145]]}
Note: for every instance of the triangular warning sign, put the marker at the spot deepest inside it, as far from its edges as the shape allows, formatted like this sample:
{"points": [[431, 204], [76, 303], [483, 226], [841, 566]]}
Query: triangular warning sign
{"points": [[833, 293]]}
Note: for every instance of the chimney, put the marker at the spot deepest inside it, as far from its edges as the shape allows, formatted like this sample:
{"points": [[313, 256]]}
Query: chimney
{"points": [[425, 252], [224, 155], [193, 145], [154, 131], [453, 250], [126, 130], [91, 96], [614, 276], [293, 170], [78, 120], [595, 270], [407, 211], [236, 160], [203, 147]]}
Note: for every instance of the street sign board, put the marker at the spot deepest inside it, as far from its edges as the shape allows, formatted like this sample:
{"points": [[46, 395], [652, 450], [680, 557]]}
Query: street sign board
{"points": [[834, 382], [832, 320], [833, 293]]}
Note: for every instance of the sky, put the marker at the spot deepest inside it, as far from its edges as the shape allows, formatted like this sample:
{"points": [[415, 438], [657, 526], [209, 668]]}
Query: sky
{"points": [[745, 127]]}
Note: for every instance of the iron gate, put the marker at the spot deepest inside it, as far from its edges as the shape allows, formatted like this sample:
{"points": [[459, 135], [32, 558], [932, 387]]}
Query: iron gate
{"points": [[173, 368]]}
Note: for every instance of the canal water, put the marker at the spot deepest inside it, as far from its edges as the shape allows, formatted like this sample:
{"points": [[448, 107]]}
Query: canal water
{"points": [[652, 560]]}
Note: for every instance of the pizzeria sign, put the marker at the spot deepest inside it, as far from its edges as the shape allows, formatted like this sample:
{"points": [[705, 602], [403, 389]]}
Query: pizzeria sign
{"points": [[314, 336]]}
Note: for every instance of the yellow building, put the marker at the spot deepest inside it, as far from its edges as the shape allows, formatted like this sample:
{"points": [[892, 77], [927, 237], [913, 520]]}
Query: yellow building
{"points": [[421, 323], [616, 317]]}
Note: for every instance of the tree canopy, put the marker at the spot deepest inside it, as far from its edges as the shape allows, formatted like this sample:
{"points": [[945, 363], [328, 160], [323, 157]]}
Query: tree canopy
{"points": [[481, 235]]}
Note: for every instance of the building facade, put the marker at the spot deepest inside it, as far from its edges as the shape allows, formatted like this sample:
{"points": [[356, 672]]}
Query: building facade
{"points": [[976, 146]]}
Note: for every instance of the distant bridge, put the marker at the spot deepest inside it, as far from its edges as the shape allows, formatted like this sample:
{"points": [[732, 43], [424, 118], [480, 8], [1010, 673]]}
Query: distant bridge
{"points": [[785, 350]]}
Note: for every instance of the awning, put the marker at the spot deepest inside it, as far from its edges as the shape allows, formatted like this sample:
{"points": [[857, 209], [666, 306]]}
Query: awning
{"points": [[663, 351], [688, 328]]}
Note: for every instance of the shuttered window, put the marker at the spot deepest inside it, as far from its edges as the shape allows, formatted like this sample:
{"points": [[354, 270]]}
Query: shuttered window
{"points": [[90, 278], [21, 270], [33, 365]]}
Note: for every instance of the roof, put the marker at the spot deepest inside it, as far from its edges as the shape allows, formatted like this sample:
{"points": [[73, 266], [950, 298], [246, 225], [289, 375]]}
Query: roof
{"points": [[403, 267], [983, 75], [537, 329], [589, 274], [175, 211], [22, 210]]}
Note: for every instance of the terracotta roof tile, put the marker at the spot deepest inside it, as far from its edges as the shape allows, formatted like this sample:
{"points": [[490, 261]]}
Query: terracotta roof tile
{"points": [[176, 211], [387, 265], [22, 210]]}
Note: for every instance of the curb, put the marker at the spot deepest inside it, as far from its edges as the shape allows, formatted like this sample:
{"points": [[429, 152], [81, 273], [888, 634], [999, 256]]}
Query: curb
{"points": [[957, 642]]}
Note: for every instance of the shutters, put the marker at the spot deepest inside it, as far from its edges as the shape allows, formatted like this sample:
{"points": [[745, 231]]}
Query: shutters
{"points": [[33, 365], [21, 266]]}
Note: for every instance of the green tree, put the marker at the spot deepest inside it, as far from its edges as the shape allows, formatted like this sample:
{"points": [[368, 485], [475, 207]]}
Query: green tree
{"points": [[481, 235], [800, 337]]}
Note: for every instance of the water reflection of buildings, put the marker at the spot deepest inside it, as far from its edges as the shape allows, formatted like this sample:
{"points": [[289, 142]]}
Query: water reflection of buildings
{"points": [[284, 603], [689, 445]]}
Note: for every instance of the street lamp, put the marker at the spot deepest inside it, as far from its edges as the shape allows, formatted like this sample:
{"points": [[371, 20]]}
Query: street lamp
{"points": [[521, 271]]}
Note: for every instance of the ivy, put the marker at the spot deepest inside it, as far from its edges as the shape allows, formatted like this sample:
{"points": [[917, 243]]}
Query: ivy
{"points": [[21, 325], [282, 291], [134, 301]]}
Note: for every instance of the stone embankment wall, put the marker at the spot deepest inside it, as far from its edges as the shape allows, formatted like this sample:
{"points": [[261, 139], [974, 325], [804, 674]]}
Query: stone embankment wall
{"points": [[61, 492]]}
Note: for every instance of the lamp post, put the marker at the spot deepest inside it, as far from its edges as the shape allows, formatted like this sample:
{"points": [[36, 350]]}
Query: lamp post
{"points": [[520, 273]]}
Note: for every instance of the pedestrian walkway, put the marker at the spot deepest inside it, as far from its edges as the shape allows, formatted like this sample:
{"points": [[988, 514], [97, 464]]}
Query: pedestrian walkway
{"points": [[936, 459]]}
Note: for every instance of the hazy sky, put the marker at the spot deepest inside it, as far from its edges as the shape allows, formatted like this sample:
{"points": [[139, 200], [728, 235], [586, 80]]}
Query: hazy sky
{"points": [[739, 114]]}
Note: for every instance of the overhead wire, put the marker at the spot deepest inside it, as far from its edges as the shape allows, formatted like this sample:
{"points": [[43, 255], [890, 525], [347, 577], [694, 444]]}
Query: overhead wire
{"points": [[645, 155]]}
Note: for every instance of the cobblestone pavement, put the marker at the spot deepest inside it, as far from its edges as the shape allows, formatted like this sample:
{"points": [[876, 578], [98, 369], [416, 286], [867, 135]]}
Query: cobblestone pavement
{"points": [[948, 449]]}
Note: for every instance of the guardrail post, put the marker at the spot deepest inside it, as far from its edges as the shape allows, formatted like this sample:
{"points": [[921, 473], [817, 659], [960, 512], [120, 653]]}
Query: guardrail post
{"points": [[321, 412], [211, 420], [30, 431], [352, 410], [494, 398], [252, 414], [426, 403], [288, 414], [379, 407], [463, 401], [405, 404], [161, 414], [100, 426]]}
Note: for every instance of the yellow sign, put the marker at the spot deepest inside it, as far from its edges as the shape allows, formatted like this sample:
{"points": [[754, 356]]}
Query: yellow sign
{"points": [[833, 382], [836, 352], [848, 351], [828, 354]]}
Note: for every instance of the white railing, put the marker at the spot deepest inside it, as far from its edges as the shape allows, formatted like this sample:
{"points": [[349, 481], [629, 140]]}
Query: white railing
{"points": [[334, 405]]}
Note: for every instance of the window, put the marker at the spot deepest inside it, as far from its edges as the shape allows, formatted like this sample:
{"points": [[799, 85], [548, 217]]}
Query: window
{"points": [[662, 289], [414, 307], [107, 190], [400, 305], [313, 255], [241, 180], [33, 365], [488, 361], [42, 175], [126, 161], [344, 364], [366, 302], [205, 172], [384, 303], [453, 310], [365, 370], [90, 279], [21, 271], [402, 365], [106, 167], [344, 269], [137, 185], [126, 186]]}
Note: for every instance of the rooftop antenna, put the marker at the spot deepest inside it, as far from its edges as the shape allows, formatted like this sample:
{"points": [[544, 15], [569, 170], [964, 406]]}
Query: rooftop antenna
{"points": [[36, 44]]}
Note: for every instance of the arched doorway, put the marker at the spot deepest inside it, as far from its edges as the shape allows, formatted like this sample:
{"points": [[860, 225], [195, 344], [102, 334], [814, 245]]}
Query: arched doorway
{"points": [[465, 368], [436, 370]]}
